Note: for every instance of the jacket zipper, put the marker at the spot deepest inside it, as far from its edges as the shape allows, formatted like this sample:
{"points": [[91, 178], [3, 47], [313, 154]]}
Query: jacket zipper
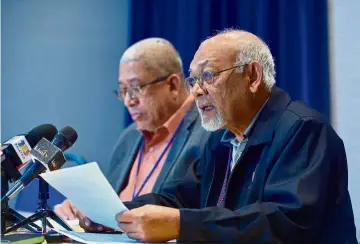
{"points": [[231, 174], [212, 180]]}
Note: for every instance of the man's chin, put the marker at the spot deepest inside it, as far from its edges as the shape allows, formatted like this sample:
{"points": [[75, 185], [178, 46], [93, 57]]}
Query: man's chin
{"points": [[144, 127], [212, 125]]}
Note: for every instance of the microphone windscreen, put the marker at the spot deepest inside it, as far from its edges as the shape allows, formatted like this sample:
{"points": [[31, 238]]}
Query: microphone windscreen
{"points": [[47, 131], [65, 138]]}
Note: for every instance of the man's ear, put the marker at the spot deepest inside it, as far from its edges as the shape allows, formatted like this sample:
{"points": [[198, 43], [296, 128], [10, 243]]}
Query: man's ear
{"points": [[255, 76], [174, 83]]}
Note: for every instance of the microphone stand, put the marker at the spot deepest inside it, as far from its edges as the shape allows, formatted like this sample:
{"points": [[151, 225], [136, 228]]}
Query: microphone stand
{"points": [[8, 214], [42, 212]]}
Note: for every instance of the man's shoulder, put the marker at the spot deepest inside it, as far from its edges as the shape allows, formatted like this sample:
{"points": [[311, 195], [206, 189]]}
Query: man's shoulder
{"points": [[129, 130], [298, 115], [284, 113], [125, 143], [299, 112], [128, 135]]}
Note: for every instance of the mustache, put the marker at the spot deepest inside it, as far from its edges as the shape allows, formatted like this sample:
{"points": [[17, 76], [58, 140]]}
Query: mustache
{"points": [[204, 101]]}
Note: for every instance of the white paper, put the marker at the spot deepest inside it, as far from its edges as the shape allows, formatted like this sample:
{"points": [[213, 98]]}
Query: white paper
{"points": [[88, 189], [103, 238], [91, 238]]}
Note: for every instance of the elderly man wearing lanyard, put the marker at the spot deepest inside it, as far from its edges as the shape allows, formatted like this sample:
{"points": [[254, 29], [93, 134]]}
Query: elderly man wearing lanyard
{"points": [[167, 125]]}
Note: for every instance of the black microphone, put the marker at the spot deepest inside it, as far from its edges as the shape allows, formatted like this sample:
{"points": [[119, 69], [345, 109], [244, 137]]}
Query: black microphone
{"points": [[16, 151], [47, 155]]}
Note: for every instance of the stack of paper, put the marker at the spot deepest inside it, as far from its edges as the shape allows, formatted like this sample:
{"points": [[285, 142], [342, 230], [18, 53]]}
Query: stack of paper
{"points": [[88, 189], [103, 238]]}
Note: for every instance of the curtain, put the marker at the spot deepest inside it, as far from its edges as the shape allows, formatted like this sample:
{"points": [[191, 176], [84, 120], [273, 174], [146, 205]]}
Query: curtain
{"points": [[295, 30]]}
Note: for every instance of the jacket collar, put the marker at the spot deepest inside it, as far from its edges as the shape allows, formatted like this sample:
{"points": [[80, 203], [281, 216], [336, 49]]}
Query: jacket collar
{"points": [[263, 128]]}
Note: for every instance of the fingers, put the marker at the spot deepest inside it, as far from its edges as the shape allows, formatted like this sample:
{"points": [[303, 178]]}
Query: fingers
{"points": [[58, 210], [126, 227], [134, 235], [150, 223], [124, 217], [79, 215], [86, 223], [68, 210], [131, 231], [127, 223], [65, 210], [74, 210], [89, 226]]}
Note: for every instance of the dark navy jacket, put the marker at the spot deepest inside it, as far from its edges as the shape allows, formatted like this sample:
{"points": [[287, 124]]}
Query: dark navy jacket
{"points": [[298, 193]]}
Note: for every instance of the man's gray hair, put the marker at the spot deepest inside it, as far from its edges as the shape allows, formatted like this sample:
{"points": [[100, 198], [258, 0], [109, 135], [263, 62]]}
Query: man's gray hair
{"points": [[255, 51], [159, 56]]}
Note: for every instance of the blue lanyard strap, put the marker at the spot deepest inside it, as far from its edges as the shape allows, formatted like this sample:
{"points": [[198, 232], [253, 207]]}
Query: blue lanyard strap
{"points": [[221, 200], [156, 164]]}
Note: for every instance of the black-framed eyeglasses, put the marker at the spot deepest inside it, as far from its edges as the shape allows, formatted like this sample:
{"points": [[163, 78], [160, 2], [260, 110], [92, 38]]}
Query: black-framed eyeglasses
{"points": [[136, 91], [207, 76]]}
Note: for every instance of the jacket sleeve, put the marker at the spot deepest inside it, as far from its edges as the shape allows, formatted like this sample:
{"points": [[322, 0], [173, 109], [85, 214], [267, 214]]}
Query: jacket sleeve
{"points": [[295, 194]]}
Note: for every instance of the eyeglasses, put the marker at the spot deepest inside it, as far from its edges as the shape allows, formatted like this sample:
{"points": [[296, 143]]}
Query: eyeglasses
{"points": [[136, 91], [207, 76]]}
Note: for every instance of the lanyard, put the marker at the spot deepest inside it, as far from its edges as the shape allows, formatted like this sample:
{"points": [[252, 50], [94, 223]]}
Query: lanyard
{"points": [[156, 164], [221, 200]]}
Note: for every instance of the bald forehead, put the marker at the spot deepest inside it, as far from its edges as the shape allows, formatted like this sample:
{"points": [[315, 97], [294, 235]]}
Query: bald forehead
{"points": [[235, 37], [156, 48], [221, 50], [159, 56], [214, 53]]}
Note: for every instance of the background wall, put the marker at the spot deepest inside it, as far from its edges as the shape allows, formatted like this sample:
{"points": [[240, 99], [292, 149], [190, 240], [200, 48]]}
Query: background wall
{"points": [[346, 87], [59, 66]]}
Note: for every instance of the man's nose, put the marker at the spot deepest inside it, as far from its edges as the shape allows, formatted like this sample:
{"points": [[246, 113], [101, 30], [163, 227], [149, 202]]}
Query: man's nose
{"points": [[197, 90], [130, 102]]}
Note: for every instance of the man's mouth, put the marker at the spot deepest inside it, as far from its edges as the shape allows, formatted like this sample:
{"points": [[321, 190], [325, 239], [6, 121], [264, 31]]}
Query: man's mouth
{"points": [[206, 108], [135, 115]]}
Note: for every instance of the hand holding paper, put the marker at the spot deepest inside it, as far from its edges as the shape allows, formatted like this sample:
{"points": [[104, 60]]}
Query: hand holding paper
{"points": [[88, 189]]}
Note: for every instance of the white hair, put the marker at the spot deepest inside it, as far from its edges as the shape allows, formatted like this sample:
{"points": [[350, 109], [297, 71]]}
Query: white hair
{"points": [[251, 51]]}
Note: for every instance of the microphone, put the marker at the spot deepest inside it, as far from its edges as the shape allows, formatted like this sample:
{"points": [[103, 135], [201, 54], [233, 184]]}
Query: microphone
{"points": [[16, 151], [47, 155]]}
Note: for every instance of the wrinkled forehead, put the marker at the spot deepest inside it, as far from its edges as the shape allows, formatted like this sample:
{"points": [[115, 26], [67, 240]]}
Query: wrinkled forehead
{"points": [[129, 67], [133, 72], [213, 54]]}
